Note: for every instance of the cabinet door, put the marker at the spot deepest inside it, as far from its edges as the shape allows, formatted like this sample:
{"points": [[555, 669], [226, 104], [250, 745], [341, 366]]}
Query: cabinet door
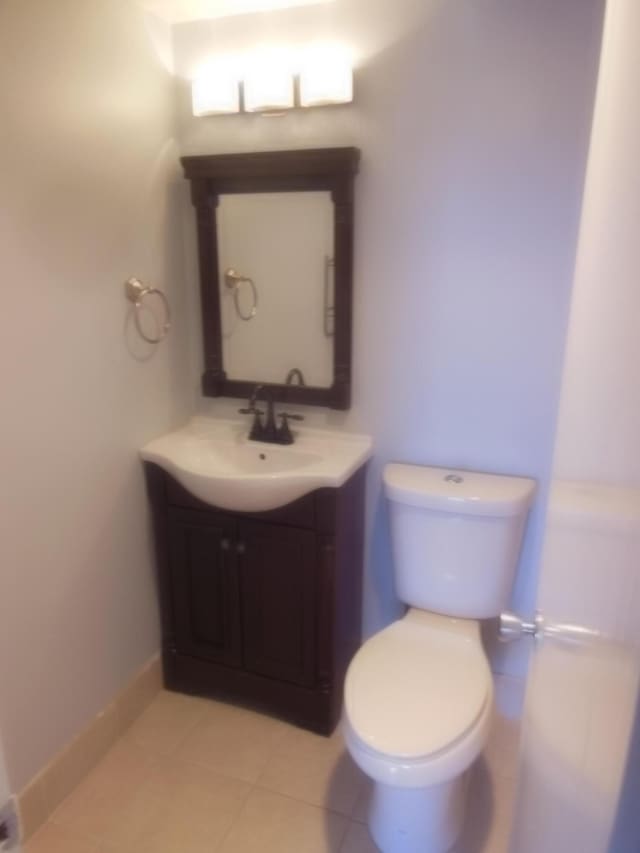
{"points": [[205, 586], [278, 572]]}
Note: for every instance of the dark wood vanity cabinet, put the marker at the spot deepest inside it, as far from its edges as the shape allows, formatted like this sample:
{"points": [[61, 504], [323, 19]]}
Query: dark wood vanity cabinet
{"points": [[204, 587], [262, 608]]}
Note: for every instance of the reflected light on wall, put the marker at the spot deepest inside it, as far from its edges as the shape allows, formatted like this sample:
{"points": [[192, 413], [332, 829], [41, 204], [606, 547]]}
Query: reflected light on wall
{"points": [[180, 11], [216, 90], [326, 77]]}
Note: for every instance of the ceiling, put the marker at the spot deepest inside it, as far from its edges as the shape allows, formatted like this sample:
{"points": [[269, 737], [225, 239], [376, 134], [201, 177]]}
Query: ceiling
{"points": [[178, 11]]}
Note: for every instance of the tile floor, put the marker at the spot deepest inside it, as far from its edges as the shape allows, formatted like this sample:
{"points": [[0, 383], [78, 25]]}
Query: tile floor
{"points": [[197, 776]]}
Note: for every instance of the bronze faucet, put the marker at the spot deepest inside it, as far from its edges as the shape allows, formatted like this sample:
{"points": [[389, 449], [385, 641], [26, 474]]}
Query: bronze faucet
{"points": [[295, 373], [268, 431]]}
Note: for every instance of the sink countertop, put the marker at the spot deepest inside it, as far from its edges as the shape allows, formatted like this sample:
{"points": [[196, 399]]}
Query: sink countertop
{"points": [[215, 461]]}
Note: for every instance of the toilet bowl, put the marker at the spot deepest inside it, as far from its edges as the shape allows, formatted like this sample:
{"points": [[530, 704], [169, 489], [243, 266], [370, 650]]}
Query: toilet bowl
{"points": [[418, 703], [418, 695]]}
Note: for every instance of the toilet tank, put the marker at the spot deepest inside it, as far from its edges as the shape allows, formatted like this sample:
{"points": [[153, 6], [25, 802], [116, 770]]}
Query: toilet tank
{"points": [[456, 537]]}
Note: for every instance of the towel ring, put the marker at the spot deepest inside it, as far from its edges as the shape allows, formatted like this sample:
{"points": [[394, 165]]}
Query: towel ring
{"points": [[233, 280], [135, 292]]}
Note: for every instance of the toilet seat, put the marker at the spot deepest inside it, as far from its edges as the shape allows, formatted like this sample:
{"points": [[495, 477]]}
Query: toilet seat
{"points": [[418, 698]]}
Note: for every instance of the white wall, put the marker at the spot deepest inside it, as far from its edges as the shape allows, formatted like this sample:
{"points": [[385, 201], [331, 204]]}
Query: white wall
{"points": [[600, 415], [88, 199], [580, 706], [473, 118]]}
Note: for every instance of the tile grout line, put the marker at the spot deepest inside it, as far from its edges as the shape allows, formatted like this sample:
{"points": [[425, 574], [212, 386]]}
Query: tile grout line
{"points": [[266, 789], [194, 724], [236, 817]]}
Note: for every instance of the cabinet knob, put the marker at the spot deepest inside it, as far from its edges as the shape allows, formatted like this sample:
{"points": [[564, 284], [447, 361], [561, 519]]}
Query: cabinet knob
{"points": [[225, 544], [241, 548]]}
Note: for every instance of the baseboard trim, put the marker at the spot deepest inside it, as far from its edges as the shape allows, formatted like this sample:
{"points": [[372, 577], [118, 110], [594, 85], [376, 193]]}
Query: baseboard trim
{"points": [[48, 788]]}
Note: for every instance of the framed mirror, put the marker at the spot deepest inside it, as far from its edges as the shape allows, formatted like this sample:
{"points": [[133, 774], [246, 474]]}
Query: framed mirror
{"points": [[275, 244]]}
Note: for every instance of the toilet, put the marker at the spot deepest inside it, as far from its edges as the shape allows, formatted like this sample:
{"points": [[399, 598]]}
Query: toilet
{"points": [[419, 694]]}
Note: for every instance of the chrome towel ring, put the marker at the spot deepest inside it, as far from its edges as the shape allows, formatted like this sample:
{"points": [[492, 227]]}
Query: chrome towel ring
{"points": [[233, 280], [135, 292]]}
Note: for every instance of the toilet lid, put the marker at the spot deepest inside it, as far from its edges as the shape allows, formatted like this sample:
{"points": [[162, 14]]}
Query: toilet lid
{"points": [[414, 689]]}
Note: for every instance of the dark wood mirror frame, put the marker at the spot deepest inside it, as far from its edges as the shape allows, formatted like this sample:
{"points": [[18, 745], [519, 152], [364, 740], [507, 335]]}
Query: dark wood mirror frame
{"points": [[328, 169]]}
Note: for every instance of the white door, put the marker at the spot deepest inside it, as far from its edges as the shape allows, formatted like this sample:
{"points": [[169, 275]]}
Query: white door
{"points": [[582, 690], [581, 696]]}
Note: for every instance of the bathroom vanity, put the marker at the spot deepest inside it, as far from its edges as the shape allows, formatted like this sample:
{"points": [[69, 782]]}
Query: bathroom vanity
{"points": [[263, 607], [259, 546]]}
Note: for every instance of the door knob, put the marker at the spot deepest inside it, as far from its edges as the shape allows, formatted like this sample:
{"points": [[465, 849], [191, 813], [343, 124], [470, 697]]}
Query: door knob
{"points": [[512, 627]]}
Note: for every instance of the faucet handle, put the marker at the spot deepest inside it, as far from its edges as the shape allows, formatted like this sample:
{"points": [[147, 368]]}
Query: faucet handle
{"points": [[250, 410], [284, 433]]}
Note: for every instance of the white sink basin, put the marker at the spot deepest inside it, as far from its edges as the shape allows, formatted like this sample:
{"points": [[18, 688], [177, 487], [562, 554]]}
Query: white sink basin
{"points": [[215, 461]]}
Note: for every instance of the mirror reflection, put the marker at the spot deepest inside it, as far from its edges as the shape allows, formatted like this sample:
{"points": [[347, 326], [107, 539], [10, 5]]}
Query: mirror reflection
{"points": [[275, 255]]}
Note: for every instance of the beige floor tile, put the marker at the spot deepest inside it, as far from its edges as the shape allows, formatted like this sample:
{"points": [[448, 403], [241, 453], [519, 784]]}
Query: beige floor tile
{"points": [[233, 741], [194, 808], [134, 804], [112, 803], [495, 841], [56, 839], [489, 812], [166, 721], [199, 799], [271, 823], [358, 840], [315, 769]]}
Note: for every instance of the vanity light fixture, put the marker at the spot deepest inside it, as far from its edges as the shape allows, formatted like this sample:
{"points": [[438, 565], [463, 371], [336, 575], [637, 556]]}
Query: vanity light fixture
{"points": [[216, 91], [268, 82], [326, 77], [267, 76], [270, 92]]}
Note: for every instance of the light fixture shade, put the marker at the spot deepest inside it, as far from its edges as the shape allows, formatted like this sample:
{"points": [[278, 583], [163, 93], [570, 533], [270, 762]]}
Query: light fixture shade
{"points": [[268, 83], [326, 77], [215, 91]]}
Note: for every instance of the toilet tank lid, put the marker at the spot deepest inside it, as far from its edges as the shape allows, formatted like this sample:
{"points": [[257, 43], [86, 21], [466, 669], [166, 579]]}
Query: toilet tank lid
{"points": [[452, 490]]}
